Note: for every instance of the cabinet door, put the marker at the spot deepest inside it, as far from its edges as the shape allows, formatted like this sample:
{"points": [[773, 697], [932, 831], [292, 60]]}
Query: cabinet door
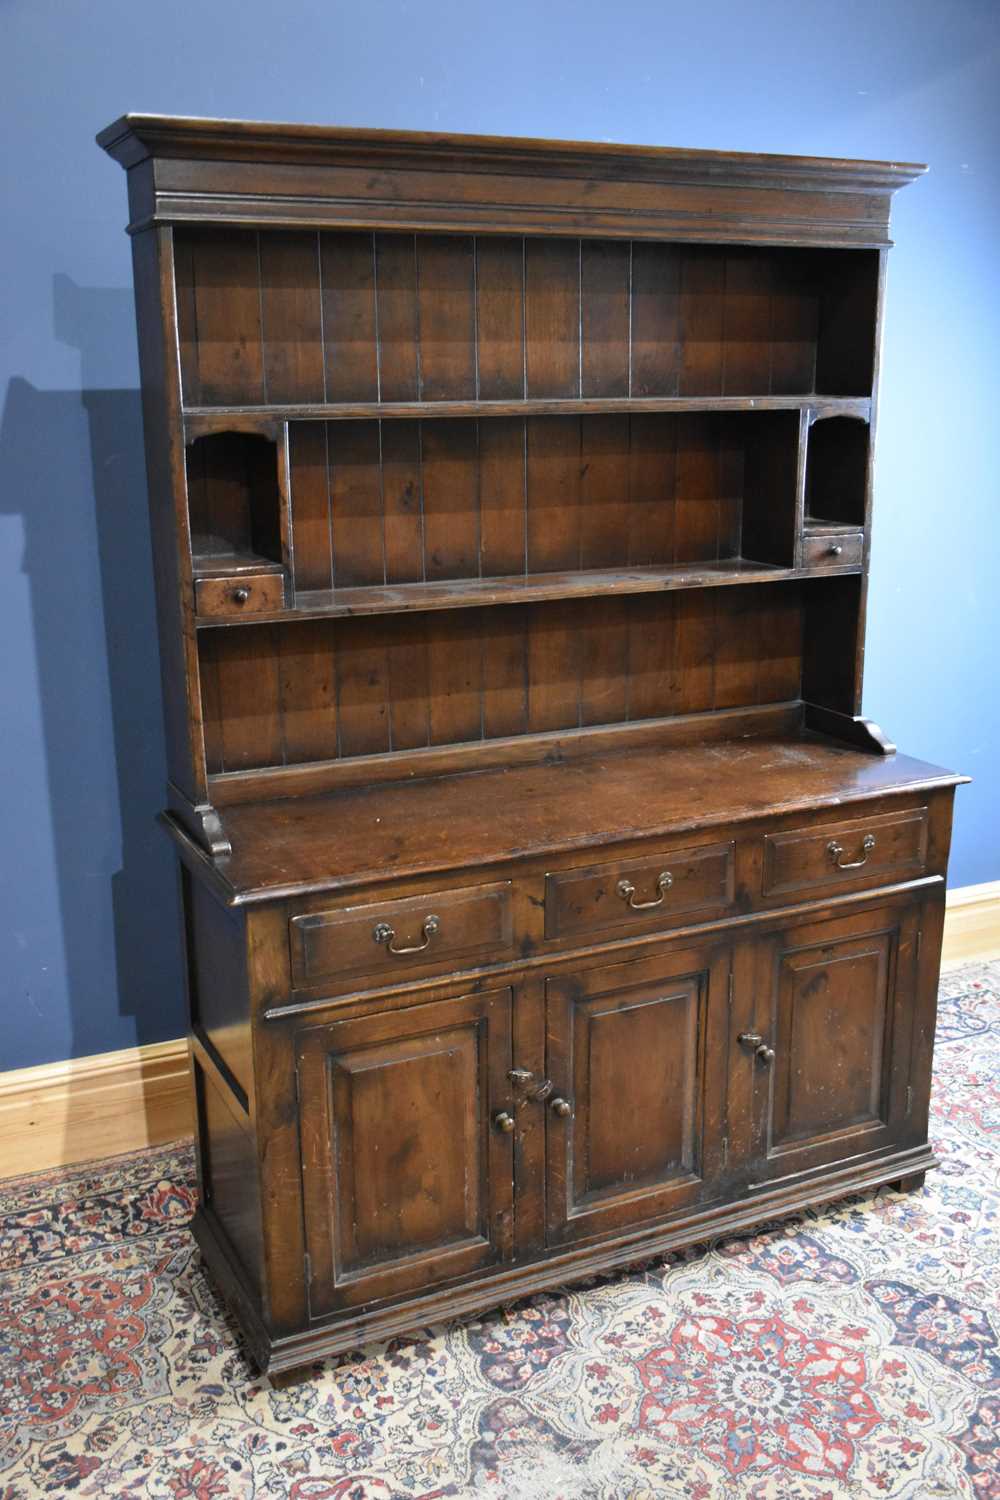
{"points": [[636, 1120], [407, 1180], [834, 1003]]}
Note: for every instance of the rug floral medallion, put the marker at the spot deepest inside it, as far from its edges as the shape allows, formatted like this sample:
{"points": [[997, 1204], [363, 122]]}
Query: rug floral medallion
{"points": [[850, 1352]]}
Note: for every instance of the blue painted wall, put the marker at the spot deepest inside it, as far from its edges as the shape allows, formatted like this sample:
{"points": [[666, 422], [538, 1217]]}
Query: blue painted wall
{"points": [[88, 948]]}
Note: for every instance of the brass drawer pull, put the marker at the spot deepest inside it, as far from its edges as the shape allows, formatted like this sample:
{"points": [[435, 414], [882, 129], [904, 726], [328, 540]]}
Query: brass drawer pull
{"points": [[383, 933], [836, 853], [562, 1108], [626, 890], [504, 1122], [762, 1051], [241, 595]]}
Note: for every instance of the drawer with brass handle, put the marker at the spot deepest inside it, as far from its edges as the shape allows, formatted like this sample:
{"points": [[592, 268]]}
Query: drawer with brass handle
{"points": [[386, 938], [889, 847], [656, 890]]}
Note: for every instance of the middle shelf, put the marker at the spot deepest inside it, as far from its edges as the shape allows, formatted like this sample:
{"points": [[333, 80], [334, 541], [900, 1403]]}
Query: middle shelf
{"points": [[471, 593], [336, 519]]}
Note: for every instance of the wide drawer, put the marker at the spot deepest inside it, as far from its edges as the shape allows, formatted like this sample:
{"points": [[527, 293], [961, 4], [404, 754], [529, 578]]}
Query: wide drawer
{"points": [[655, 890], [388, 938], [891, 845], [241, 594]]}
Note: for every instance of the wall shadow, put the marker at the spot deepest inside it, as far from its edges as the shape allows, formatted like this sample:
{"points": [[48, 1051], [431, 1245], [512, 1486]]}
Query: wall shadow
{"points": [[88, 559]]}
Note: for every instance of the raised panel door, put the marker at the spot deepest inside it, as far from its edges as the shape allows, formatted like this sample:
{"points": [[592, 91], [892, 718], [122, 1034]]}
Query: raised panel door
{"points": [[637, 1060], [830, 1044], [407, 1179]]}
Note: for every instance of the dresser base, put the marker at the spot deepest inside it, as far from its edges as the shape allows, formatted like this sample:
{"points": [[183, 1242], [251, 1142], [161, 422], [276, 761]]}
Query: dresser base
{"points": [[903, 1170]]}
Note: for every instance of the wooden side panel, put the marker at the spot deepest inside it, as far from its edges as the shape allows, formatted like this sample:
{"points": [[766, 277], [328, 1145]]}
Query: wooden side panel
{"points": [[155, 280], [228, 1172], [220, 1005]]}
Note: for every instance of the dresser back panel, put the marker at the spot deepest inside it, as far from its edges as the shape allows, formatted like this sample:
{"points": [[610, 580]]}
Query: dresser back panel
{"points": [[318, 690], [407, 501], [286, 316]]}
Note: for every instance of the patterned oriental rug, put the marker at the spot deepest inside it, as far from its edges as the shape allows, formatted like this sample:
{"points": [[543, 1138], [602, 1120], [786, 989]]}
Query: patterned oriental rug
{"points": [[849, 1352]]}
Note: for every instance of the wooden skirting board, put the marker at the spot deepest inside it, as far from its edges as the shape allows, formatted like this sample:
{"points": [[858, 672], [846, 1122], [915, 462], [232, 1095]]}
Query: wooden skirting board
{"points": [[89, 1107], [972, 923]]}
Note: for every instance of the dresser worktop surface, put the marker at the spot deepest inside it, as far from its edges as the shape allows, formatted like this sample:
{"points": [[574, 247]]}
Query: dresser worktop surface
{"points": [[361, 836]]}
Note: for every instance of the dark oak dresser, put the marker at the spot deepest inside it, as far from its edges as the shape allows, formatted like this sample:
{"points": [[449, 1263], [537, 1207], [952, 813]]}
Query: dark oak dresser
{"points": [[547, 900]]}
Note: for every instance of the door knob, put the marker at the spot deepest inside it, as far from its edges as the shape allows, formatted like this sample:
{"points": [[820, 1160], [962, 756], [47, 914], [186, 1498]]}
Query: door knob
{"points": [[504, 1122], [762, 1051], [562, 1108]]}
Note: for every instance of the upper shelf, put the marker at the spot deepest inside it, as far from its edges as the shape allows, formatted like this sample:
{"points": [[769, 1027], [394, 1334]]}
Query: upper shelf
{"points": [[201, 420]]}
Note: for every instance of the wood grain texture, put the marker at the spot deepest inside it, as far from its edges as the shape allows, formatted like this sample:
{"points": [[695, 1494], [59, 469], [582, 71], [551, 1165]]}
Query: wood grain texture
{"points": [[85, 1108], [434, 824], [465, 675]]}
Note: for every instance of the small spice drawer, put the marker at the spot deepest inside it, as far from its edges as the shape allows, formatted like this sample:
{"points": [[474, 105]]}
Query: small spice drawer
{"points": [[381, 941], [658, 890], [865, 849], [242, 594], [832, 549]]}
